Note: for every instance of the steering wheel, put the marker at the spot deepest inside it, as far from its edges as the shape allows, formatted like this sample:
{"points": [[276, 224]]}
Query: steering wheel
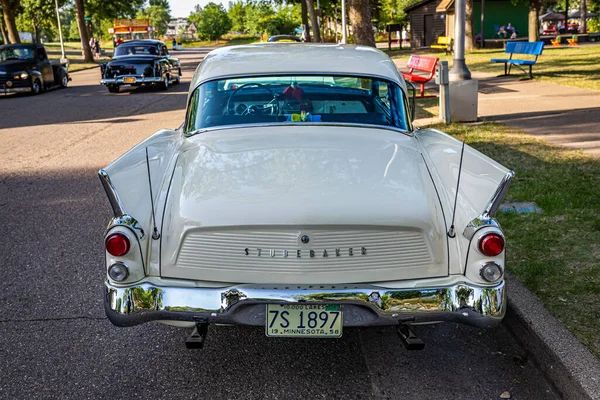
{"points": [[253, 109]]}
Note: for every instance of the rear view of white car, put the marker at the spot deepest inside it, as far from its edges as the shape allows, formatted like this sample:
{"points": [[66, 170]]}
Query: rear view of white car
{"points": [[298, 196]]}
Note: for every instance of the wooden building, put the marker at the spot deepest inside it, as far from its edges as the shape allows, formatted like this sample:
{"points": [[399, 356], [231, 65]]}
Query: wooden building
{"points": [[432, 18], [426, 24]]}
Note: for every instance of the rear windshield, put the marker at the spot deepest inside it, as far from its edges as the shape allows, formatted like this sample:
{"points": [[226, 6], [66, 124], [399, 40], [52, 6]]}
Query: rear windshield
{"points": [[141, 50], [297, 99]]}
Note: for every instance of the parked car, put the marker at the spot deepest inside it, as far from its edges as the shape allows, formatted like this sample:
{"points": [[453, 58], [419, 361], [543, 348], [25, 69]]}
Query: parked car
{"points": [[307, 207], [140, 62], [284, 38], [25, 68]]}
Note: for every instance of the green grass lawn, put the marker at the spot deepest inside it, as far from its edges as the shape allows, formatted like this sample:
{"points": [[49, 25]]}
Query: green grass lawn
{"points": [[556, 254], [77, 64], [571, 66]]}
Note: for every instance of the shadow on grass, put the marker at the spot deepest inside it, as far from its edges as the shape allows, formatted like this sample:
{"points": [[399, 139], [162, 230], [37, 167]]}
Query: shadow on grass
{"points": [[555, 253]]}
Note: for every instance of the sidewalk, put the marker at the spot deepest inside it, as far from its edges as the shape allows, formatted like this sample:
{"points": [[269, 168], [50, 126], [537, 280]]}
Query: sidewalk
{"points": [[560, 114]]}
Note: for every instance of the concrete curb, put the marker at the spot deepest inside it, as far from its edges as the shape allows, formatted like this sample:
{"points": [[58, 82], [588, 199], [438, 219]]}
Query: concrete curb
{"points": [[573, 369]]}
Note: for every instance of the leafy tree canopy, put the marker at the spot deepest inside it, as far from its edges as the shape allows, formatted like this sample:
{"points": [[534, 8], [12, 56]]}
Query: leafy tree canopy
{"points": [[213, 22]]}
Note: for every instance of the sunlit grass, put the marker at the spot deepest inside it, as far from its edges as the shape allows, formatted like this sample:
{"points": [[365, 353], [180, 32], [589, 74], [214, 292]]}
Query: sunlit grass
{"points": [[571, 66], [556, 254]]}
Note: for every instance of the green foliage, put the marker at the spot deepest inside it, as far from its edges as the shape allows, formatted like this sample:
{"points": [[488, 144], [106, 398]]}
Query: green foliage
{"points": [[392, 12], [593, 26], [160, 17], [260, 17], [237, 15], [213, 22]]}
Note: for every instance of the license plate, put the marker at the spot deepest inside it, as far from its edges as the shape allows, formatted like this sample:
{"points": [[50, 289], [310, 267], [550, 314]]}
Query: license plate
{"points": [[304, 320], [129, 80]]}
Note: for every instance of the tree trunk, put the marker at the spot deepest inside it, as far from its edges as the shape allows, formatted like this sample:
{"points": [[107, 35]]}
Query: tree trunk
{"points": [[310, 5], [583, 17], [534, 22], [304, 11], [36, 32], [3, 32], [566, 16], [359, 12], [83, 34], [9, 10], [469, 25]]}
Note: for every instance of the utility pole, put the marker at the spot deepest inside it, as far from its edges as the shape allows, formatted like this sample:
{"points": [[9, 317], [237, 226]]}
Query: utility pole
{"points": [[62, 44], [344, 30], [459, 71]]}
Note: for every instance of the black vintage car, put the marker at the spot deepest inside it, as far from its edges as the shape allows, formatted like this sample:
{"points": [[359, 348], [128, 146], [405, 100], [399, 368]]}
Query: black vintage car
{"points": [[26, 68], [140, 62]]}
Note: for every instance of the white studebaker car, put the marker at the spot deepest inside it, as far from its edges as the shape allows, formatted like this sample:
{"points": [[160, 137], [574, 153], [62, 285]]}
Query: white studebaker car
{"points": [[298, 196]]}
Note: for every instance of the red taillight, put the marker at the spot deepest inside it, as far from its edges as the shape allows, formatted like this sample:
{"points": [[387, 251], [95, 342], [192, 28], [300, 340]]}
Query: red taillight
{"points": [[491, 244], [117, 244]]}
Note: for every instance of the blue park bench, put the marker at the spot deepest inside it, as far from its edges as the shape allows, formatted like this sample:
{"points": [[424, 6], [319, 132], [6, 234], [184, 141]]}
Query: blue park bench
{"points": [[529, 48]]}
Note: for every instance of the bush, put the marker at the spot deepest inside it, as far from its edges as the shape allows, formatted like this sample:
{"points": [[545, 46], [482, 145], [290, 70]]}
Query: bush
{"points": [[593, 26]]}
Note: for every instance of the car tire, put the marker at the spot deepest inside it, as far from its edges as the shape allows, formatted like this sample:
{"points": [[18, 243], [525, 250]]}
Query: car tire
{"points": [[64, 80], [36, 87], [113, 88]]}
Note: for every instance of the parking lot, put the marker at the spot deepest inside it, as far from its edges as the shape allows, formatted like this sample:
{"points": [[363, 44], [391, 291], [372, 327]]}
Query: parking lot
{"points": [[55, 341]]}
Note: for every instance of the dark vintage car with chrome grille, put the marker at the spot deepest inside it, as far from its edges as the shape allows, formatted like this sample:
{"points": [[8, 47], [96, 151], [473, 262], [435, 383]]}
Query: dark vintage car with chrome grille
{"points": [[298, 196], [140, 62], [25, 68]]}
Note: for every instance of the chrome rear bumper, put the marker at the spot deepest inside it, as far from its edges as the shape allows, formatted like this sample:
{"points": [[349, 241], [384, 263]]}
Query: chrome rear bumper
{"points": [[363, 306], [120, 80]]}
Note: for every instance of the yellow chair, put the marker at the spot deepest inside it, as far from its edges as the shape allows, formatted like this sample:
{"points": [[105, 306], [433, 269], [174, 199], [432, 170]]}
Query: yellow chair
{"points": [[556, 41], [573, 41]]}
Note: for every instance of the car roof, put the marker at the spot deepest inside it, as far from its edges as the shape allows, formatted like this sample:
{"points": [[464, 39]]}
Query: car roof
{"points": [[20, 45], [295, 58], [142, 41]]}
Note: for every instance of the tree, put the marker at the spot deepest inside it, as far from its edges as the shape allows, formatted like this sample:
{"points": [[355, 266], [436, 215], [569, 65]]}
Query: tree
{"points": [[9, 9], [359, 12], [310, 6], [38, 15], [2, 31], [214, 22], [237, 15], [583, 16], [83, 34], [534, 20], [160, 17], [469, 37]]}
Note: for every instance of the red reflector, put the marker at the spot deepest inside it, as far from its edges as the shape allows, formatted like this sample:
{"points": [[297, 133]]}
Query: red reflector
{"points": [[117, 244], [491, 244]]}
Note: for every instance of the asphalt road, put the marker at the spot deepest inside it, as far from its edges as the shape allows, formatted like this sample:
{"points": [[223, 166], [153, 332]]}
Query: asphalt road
{"points": [[55, 341]]}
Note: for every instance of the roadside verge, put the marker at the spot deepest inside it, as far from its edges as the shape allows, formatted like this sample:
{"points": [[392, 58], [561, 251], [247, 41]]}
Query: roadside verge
{"points": [[564, 360]]}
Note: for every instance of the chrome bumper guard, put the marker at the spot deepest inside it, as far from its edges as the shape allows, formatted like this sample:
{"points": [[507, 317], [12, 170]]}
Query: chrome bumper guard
{"points": [[16, 89], [363, 306], [138, 79]]}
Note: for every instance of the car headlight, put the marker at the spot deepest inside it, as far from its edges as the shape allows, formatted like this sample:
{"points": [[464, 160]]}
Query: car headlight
{"points": [[24, 75]]}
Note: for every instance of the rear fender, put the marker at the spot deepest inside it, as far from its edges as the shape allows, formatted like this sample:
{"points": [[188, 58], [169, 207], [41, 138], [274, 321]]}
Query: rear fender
{"points": [[126, 184], [483, 185]]}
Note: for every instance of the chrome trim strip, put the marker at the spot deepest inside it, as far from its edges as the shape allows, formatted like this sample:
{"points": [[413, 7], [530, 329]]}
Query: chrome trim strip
{"points": [[127, 221], [479, 223], [481, 306], [399, 82], [318, 124], [16, 90], [111, 193], [494, 203], [486, 218]]}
